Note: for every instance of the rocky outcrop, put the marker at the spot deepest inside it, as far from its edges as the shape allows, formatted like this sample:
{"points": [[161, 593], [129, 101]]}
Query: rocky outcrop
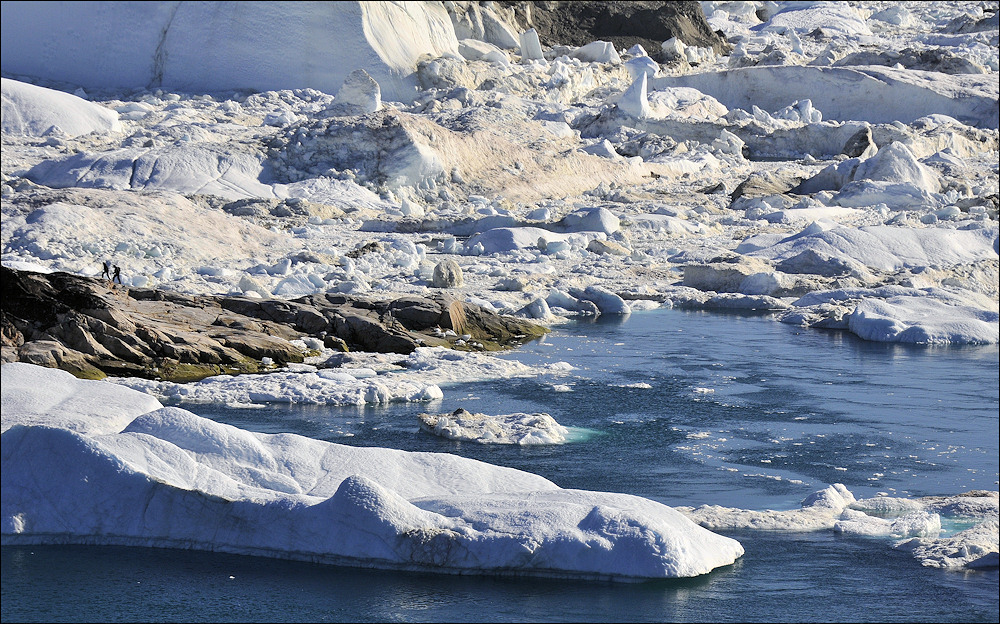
{"points": [[93, 329], [624, 24]]}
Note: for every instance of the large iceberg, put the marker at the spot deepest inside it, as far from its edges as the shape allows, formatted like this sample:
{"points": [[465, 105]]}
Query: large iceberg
{"points": [[173, 479], [225, 45]]}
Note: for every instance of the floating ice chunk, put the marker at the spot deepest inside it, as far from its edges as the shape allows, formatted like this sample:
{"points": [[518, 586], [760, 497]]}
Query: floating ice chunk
{"points": [[523, 429], [820, 510], [673, 48], [280, 118], [975, 547], [846, 93], [896, 15], [559, 129], [605, 300], [729, 143], [642, 66], [505, 240], [886, 248], [916, 524], [832, 18], [537, 309], [896, 163], [800, 110], [696, 55], [591, 220], [182, 168], [894, 195], [637, 50], [923, 320], [604, 149]]}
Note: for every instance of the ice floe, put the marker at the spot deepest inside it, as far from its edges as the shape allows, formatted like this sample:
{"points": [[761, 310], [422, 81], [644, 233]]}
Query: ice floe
{"points": [[521, 429], [910, 524]]}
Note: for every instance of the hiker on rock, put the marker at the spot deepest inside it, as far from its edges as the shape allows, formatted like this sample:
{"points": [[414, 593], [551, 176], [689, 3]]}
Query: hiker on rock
{"points": [[118, 275], [107, 270]]}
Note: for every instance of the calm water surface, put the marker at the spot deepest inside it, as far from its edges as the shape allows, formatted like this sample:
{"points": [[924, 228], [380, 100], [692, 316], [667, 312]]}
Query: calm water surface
{"points": [[682, 407]]}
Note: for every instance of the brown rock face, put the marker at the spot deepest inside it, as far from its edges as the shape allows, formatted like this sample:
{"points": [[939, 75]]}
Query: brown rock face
{"points": [[93, 329], [577, 23]]}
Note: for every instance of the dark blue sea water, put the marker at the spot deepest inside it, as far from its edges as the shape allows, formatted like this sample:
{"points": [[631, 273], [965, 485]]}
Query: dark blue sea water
{"points": [[682, 407]]}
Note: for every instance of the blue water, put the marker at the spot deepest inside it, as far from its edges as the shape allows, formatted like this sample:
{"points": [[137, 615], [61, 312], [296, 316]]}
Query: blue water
{"points": [[682, 407]]}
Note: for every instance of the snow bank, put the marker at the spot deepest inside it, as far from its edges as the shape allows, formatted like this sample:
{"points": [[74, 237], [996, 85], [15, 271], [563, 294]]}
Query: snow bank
{"points": [[320, 387], [174, 479], [216, 46], [372, 378], [35, 111]]}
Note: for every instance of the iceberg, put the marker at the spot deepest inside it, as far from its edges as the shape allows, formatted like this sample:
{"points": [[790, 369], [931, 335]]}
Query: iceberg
{"points": [[173, 479]]}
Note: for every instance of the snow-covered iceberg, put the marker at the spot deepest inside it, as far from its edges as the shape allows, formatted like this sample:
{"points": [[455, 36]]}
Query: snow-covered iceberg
{"points": [[174, 479]]}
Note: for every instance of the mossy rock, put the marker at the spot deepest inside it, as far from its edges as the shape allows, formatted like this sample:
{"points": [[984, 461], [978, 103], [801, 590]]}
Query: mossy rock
{"points": [[179, 372]]}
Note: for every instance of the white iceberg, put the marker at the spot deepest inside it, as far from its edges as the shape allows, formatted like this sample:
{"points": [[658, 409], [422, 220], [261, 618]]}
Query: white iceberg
{"points": [[174, 479], [923, 320]]}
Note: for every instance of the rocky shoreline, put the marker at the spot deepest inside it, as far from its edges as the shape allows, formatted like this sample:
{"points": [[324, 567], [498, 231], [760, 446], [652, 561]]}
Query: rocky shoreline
{"points": [[93, 328]]}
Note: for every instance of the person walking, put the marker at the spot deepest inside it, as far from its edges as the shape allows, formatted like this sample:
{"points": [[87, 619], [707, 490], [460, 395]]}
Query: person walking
{"points": [[118, 275], [107, 270]]}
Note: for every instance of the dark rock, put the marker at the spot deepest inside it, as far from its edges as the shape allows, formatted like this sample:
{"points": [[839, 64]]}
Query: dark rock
{"points": [[624, 24], [91, 330], [860, 144], [416, 313], [765, 184]]}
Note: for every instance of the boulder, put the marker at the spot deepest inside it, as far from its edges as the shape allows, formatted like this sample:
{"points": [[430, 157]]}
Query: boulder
{"points": [[447, 274]]}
